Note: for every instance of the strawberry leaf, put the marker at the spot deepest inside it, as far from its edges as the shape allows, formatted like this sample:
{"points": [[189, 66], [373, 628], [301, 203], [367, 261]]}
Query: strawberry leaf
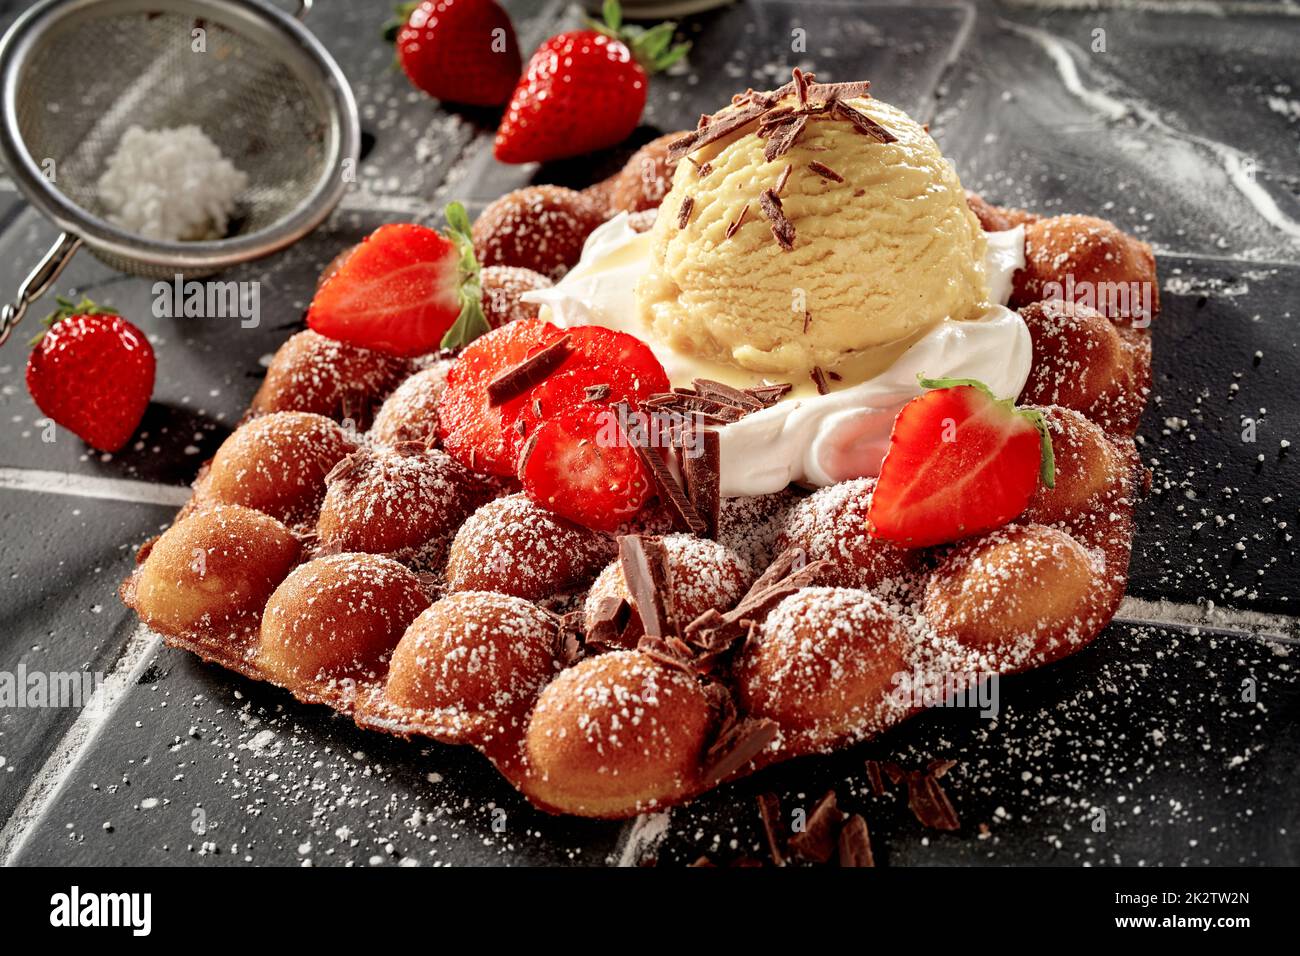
{"points": [[66, 310], [1047, 461], [613, 14], [401, 15], [471, 323], [649, 45]]}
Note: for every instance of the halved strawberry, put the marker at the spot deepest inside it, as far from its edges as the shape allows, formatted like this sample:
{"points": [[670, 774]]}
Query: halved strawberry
{"points": [[580, 467], [475, 432], [637, 365], [595, 384], [960, 462], [405, 290]]}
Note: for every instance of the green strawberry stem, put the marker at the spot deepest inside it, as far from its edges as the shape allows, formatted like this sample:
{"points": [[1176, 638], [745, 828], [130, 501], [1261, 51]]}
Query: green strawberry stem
{"points": [[652, 46], [401, 13], [1047, 460], [66, 310], [471, 323]]}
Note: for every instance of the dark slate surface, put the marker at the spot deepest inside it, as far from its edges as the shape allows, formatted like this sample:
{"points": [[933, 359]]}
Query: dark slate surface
{"points": [[1148, 725], [61, 560], [1149, 133], [1220, 524], [1144, 734]]}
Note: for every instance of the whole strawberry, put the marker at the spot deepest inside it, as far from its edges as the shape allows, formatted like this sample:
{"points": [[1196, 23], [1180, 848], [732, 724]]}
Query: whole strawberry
{"points": [[584, 90], [462, 51], [92, 372]]}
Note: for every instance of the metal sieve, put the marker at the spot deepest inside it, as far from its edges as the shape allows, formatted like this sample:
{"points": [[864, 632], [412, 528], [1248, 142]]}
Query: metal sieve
{"points": [[75, 74]]}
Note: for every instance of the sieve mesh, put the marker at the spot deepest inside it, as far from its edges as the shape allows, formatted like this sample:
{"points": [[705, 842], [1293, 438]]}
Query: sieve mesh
{"points": [[145, 72]]}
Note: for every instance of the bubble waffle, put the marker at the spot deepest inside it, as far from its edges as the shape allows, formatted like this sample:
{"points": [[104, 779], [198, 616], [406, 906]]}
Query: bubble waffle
{"points": [[681, 662]]}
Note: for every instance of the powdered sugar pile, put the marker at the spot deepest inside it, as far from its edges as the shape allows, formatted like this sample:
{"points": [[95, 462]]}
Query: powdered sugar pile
{"points": [[170, 185]]}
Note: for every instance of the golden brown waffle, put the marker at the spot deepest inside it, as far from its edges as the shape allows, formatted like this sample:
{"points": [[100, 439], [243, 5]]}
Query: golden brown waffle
{"points": [[788, 632]]}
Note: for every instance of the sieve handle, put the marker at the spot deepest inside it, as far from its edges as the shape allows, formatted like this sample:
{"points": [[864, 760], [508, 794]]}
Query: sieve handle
{"points": [[38, 282]]}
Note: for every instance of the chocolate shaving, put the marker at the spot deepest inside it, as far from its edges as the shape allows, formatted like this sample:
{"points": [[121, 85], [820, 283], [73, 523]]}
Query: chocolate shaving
{"points": [[821, 169], [817, 841], [595, 393], [926, 797], [807, 321], [726, 393], [705, 169], [853, 89], [863, 123], [610, 620], [774, 118], [568, 642], [737, 222], [345, 467], [670, 651], [894, 772], [715, 632], [819, 379], [716, 129], [873, 778], [930, 803], [532, 371], [855, 843], [782, 228], [644, 562], [801, 82], [685, 517], [684, 212], [702, 473], [784, 137], [524, 453], [769, 395], [783, 179], [410, 448], [703, 410], [769, 811], [737, 746], [937, 768]]}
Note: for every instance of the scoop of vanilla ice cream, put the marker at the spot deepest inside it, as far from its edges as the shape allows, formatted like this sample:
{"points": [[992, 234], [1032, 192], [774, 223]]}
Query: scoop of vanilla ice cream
{"points": [[876, 259]]}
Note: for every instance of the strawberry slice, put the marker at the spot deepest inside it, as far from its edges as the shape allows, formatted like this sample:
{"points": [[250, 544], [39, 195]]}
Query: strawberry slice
{"points": [[595, 384], [475, 432], [405, 290], [580, 467], [960, 462], [639, 370]]}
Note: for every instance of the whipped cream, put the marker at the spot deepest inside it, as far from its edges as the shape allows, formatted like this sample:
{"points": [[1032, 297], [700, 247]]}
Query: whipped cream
{"points": [[807, 438]]}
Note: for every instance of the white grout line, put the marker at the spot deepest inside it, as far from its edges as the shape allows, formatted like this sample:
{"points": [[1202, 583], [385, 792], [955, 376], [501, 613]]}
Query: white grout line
{"points": [[1166, 613], [1133, 610], [92, 486], [57, 769]]}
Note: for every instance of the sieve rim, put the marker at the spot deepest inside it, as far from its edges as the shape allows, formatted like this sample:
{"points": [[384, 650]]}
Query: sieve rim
{"points": [[343, 140]]}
